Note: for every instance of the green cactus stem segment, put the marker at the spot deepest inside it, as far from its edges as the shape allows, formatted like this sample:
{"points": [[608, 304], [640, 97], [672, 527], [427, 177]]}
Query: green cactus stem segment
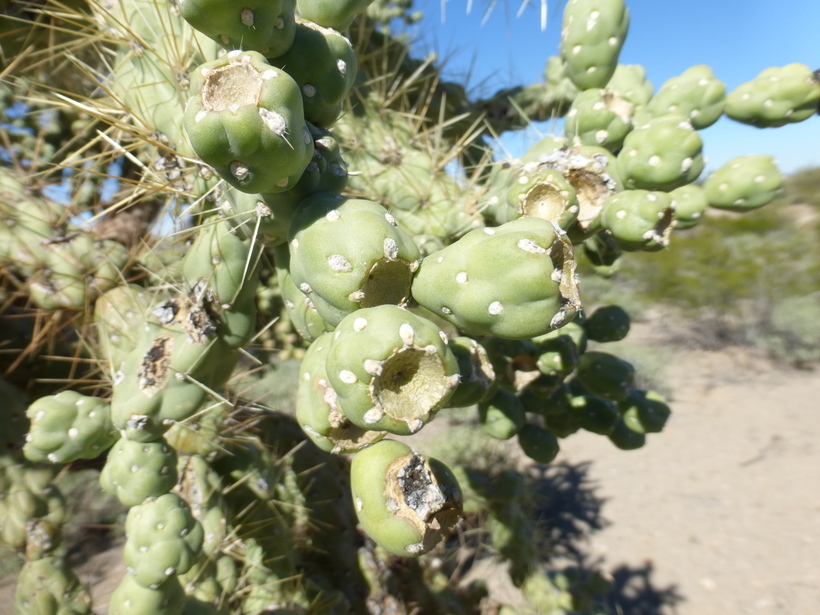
{"points": [[410, 384]]}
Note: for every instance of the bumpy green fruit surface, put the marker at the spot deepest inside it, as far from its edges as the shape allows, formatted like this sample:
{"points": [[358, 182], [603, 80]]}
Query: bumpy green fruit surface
{"points": [[599, 117], [163, 540], [592, 34], [324, 65], [246, 119], [776, 97], [696, 94], [131, 598], [336, 14], [744, 183], [605, 375], [662, 154], [349, 253], [538, 444], [317, 405], [135, 471], [405, 502], [534, 293], [68, 426], [266, 26], [690, 205], [639, 219]]}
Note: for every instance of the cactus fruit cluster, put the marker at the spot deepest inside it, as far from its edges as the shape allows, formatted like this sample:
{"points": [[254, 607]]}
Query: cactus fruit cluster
{"points": [[305, 162]]}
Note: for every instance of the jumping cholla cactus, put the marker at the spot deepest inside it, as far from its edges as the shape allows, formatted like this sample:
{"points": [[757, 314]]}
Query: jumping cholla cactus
{"points": [[306, 161]]}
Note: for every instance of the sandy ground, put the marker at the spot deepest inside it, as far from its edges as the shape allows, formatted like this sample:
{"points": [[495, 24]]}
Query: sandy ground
{"points": [[718, 515]]}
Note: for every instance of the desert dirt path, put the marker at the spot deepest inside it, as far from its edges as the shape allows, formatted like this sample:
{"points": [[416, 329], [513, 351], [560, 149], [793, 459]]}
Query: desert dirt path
{"points": [[719, 514]]}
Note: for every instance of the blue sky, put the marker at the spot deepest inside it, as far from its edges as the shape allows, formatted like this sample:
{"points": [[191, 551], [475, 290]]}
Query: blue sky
{"points": [[736, 38]]}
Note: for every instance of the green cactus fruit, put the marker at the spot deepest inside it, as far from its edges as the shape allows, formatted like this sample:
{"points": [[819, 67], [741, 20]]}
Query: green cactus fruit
{"points": [[639, 219], [542, 148], [629, 82], [131, 598], [265, 26], [347, 254], [595, 414], [605, 375], [246, 119], [72, 274], [696, 94], [625, 438], [776, 97], [662, 154], [541, 193], [502, 416], [744, 183], [592, 172], [690, 205], [538, 444], [392, 370], [477, 374], [645, 411], [336, 14], [163, 540], [47, 586], [557, 356], [592, 34], [556, 408], [326, 172], [317, 407], [68, 426], [220, 268], [136, 471], [300, 308], [609, 323], [603, 254], [32, 510], [405, 502], [535, 292], [599, 117], [323, 63], [117, 316]]}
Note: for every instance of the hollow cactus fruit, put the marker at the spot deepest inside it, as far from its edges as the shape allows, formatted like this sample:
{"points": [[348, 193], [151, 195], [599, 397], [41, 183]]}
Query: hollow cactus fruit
{"points": [[777, 96], [744, 183], [462, 283], [391, 370], [592, 35], [246, 119], [405, 502], [317, 405]]}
